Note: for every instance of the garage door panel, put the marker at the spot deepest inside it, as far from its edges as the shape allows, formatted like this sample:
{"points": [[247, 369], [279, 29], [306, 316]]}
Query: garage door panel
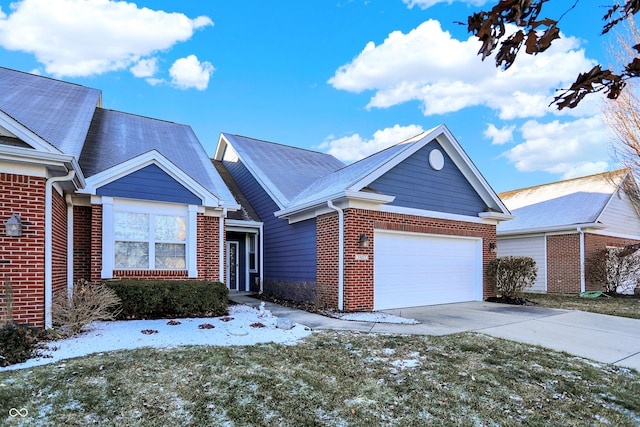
{"points": [[414, 269]]}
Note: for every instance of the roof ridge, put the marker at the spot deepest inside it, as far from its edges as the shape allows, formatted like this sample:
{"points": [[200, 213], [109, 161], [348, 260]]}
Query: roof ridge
{"points": [[564, 181], [50, 78], [280, 144], [142, 116]]}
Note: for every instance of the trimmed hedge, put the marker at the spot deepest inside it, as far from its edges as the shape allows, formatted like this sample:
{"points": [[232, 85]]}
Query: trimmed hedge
{"points": [[155, 299]]}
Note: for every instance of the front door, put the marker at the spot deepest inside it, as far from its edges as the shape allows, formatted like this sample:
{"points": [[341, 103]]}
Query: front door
{"points": [[232, 265]]}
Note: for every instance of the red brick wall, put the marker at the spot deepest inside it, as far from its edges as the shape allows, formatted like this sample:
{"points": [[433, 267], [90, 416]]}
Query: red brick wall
{"points": [[563, 260], [24, 195], [563, 263], [208, 247], [81, 242], [207, 252], [59, 243], [358, 275]]}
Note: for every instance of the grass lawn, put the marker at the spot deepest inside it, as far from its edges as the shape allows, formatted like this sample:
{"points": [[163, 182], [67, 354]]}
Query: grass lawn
{"points": [[328, 379], [624, 307]]}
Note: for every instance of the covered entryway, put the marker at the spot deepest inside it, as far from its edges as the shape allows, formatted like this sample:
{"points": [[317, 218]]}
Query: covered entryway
{"points": [[412, 269]]}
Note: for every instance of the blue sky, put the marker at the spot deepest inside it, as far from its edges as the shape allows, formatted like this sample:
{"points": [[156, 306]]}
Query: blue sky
{"points": [[347, 77]]}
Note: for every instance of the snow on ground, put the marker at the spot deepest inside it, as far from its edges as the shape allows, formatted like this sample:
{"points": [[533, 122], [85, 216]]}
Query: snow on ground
{"points": [[372, 316], [234, 329]]}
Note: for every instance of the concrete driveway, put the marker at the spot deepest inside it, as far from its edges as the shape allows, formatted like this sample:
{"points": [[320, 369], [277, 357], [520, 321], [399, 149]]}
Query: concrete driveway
{"points": [[608, 339]]}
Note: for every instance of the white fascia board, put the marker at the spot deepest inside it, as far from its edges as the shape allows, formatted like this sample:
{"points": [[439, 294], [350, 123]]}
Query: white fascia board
{"points": [[349, 196], [559, 229], [151, 157], [49, 160], [498, 216], [436, 214], [223, 144], [25, 134]]}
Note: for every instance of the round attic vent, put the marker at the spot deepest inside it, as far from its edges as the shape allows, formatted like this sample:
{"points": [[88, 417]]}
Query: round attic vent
{"points": [[436, 159]]}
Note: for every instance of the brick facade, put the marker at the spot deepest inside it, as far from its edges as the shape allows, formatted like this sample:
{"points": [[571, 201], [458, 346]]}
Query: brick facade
{"points": [[23, 257], [563, 260], [358, 274]]}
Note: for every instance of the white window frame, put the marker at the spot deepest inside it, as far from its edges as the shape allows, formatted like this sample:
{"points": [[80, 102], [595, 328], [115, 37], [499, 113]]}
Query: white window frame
{"points": [[110, 206]]}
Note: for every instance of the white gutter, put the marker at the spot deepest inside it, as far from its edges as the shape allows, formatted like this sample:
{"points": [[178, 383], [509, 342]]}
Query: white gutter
{"points": [[340, 253], [582, 278], [48, 245], [261, 257], [221, 252], [69, 246]]}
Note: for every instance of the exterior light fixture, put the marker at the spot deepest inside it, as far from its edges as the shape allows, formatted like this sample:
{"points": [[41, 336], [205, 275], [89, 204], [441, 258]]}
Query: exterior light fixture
{"points": [[363, 241], [13, 226], [492, 247]]}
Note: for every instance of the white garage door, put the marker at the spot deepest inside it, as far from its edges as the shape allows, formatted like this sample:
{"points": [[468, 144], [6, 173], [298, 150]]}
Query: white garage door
{"points": [[415, 269]]}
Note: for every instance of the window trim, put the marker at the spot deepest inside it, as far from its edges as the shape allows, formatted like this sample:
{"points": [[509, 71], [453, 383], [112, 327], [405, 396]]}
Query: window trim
{"points": [[111, 205]]}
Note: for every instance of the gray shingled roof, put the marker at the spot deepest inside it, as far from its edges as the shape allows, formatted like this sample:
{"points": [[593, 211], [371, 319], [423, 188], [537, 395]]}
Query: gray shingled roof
{"points": [[564, 203], [285, 171], [57, 111], [115, 137]]}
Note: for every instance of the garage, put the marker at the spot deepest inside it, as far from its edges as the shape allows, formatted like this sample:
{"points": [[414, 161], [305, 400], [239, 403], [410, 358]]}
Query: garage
{"points": [[412, 269]]}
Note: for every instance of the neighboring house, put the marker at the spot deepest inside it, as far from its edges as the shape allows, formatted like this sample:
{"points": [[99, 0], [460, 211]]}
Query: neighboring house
{"points": [[562, 224], [99, 194], [412, 225]]}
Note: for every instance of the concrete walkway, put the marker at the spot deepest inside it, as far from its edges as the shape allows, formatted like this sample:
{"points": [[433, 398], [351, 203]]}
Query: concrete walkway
{"points": [[608, 339]]}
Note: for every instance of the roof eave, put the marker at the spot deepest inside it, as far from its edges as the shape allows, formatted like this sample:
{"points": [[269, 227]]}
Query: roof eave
{"points": [[554, 229]]}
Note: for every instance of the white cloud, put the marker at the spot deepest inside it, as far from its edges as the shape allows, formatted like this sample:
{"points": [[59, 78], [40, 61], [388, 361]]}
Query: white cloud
{"points": [[499, 136], [355, 147], [446, 75], [189, 72], [145, 67], [572, 148], [425, 4], [86, 37]]}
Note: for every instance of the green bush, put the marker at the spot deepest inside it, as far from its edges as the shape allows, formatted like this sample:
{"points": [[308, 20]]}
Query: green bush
{"points": [[155, 299], [18, 343], [511, 275]]}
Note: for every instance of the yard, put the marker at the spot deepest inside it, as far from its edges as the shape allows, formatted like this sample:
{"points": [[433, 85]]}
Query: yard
{"points": [[329, 378], [615, 306]]}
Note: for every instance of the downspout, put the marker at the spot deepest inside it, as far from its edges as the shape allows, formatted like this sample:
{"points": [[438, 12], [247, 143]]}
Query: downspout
{"points": [[582, 278], [69, 246], [261, 257], [340, 253], [221, 252], [48, 245]]}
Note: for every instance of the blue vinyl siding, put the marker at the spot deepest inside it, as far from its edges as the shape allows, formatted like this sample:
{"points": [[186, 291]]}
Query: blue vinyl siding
{"points": [[149, 183], [416, 185], [289, 249]]}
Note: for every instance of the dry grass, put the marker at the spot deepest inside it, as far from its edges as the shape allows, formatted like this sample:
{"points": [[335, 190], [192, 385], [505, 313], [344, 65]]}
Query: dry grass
{"points": [[329, 379], [615, 306]]}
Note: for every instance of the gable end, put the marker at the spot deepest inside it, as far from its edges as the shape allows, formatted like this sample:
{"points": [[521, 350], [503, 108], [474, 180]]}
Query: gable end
{"points": [[417, 184], [149, 183]]}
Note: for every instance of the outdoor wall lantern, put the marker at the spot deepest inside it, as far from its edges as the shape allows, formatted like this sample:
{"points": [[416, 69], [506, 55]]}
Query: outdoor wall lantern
{"points": [[13, 226], [492, 247], [363, 241]]}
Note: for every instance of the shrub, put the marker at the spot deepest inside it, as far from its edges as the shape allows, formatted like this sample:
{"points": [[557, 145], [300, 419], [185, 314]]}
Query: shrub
{"points": [[511, 275], [291, 291], [89, 302], [154, 299], [18, 343], [615, 269]]}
